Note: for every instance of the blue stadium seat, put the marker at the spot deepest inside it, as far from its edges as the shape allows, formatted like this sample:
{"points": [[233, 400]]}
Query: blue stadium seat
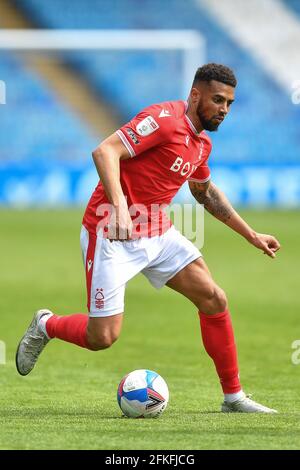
{"points": [[59, 136]]}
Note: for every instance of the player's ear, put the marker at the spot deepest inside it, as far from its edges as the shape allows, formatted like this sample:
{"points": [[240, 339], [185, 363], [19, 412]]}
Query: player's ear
{"points": [[195, 94]]}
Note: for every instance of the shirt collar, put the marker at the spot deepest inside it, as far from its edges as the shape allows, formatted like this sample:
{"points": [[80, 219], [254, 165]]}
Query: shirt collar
{"points": [[192, 126], [190, 122]]}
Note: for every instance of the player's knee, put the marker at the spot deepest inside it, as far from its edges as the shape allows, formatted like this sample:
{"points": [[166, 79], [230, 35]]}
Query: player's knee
{"points": [[101, 341], [220, 300], [214, 301]]}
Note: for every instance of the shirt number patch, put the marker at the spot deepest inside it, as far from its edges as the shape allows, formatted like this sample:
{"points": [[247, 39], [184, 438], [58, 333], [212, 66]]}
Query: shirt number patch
{"points": [[147, 126]]}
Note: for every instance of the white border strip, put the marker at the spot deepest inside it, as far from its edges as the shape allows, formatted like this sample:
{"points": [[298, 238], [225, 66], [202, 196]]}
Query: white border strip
{"points": [[126, 143], [191, 43], [200, 181], [95, 39]]}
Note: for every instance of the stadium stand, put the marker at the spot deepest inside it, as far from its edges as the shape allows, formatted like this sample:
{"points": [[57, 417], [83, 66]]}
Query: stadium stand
{"points": [[32, 106], [262, 131], [258, 98]]}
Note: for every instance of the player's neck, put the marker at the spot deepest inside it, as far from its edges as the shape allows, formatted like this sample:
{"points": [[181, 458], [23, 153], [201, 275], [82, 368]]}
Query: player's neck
{"points": [[193, 117]]}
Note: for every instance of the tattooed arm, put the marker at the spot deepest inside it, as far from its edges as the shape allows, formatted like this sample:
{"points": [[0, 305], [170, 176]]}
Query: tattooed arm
{"points": [[215, 202]]}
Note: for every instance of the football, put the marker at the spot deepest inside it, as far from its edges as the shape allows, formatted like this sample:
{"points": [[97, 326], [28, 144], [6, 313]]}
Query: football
{"points": [[143, 394]]}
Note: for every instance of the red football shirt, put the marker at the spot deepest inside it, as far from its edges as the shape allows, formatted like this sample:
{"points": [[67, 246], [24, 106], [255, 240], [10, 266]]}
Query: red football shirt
{"points": [[166, 151]]}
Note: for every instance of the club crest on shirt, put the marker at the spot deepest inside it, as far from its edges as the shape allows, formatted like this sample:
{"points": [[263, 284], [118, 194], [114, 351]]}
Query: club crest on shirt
{"points": [[99, 299], [147, 126]]}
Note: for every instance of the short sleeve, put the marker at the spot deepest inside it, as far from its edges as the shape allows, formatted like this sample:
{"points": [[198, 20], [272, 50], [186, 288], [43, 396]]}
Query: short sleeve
{"points": [[201, 174], [146, 130]]}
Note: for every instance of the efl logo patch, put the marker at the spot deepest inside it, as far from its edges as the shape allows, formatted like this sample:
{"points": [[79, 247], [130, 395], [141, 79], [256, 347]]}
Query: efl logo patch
{"points": [[147, 126]]}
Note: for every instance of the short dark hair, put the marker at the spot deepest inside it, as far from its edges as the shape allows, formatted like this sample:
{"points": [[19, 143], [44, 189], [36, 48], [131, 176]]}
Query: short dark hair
{"points": [[217, 72]]}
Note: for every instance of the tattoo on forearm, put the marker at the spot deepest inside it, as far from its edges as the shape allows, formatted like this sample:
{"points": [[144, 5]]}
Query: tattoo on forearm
{"points": [[215, 203]]}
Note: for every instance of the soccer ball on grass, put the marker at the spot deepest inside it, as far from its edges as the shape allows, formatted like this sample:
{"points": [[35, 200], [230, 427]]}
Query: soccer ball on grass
{"points": [[143, 394]]}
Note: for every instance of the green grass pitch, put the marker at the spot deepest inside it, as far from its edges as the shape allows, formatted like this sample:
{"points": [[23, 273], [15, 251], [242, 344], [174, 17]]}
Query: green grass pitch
{"points": [[69, 400]]}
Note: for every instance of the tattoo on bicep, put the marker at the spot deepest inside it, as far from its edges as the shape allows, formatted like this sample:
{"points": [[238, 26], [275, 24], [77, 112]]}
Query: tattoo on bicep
{"points": [[215, 203]]}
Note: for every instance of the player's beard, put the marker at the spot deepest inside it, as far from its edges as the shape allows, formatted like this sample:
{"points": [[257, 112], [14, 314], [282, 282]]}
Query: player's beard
{"points": [[207, 124]]}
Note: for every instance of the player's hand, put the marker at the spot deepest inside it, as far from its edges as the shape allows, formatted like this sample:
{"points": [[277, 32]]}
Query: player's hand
{"points": [[120, 223], [267, 243]]}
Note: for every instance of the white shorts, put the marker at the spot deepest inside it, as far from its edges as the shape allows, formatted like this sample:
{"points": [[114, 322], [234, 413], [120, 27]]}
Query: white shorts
{"points": [[110, 265]]}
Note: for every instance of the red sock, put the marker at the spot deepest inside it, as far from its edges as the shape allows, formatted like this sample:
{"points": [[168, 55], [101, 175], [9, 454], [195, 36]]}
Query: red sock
{"points": [[218, 340], [71, 328]]}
